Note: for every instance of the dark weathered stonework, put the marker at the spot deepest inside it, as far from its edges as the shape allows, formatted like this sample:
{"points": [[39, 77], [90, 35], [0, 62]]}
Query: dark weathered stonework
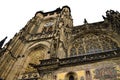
{"points": [[49, 47]]}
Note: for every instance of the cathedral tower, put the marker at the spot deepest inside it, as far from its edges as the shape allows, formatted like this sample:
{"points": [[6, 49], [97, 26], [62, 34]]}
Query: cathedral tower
{"points": [[49, 47]]}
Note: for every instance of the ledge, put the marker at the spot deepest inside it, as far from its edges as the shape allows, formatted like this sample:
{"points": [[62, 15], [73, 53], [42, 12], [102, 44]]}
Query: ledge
{"points": [[55, 63]]}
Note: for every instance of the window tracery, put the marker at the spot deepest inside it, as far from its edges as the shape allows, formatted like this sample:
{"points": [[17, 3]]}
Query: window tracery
{"points": [[48, 26], [72, 51], [92, 43], [81, 50]]}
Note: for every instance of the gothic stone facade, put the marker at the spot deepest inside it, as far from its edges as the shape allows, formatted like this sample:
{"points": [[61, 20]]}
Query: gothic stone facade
{"points": [[49, 47]]}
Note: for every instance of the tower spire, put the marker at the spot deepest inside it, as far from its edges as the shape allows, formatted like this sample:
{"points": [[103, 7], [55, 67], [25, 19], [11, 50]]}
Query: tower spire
{"points": [[2, 42]]}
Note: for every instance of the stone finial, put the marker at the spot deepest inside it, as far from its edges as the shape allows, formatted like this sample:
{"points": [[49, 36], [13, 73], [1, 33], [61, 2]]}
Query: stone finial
{"points": [[2, 42], [104, 17], [85, 21]]}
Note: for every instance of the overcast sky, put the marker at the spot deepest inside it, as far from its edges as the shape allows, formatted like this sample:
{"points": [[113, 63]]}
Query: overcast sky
{"points": [[14, 14]]}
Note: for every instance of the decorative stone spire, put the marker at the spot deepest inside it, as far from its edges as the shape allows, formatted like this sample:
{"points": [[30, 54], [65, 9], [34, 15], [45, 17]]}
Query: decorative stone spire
{"points": [[2, 42], [85, 21], [104, 17]]}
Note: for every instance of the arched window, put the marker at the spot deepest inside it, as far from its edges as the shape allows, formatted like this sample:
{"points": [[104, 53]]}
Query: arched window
{"points": [[71, 77], [92, 43]]}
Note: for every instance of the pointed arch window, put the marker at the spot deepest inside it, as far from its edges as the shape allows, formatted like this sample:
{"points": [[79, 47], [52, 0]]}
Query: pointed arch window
{"points": [[92, 43]]}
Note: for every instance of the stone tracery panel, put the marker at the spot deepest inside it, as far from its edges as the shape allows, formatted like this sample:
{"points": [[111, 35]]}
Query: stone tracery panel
{"points": [[81, 49], [48, 26], [92, 43], [73, 51]]}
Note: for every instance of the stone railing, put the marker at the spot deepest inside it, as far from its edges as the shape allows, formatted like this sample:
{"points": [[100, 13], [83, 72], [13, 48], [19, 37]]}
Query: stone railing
{"points": [[52, 64], [40, 36], [29, 76]]}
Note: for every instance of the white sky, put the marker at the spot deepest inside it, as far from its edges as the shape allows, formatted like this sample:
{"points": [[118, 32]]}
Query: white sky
{"points": [[14, 14]]}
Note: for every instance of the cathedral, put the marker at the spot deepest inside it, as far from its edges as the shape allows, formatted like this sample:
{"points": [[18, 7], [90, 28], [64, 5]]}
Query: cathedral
{"points": [[50, 47]]}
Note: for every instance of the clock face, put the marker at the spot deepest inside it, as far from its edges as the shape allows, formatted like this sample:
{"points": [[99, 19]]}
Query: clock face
{"points": [[50, 23]]}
